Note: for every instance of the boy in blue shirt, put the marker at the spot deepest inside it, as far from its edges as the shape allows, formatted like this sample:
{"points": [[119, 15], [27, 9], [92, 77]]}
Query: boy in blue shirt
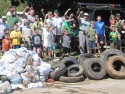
{"points": [[100, 28]]}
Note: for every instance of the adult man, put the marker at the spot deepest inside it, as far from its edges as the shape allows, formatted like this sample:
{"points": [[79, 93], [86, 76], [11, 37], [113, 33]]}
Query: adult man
{"points": [[119, 24], [12, 19], [84, 24], [100, 28], [30, 16], [58, 32], [3, 25]]}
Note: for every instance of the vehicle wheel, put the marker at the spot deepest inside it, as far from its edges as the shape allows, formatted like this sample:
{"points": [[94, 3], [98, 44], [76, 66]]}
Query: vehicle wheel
{"points": [[67, 61], [85, 56], [71, 79], [94, 68], [75, 70], [58, 70], [116, 67], [111, 52]]}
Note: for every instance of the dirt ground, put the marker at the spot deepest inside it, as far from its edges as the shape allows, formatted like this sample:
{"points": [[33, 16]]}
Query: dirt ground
{"points": [[106, 86]]}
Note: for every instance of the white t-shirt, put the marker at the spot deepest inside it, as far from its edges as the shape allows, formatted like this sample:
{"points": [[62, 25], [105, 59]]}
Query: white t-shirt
{"points": [[2, 27], [31, 19], [47, 38], [66, 42], [22, 25], [27, 31], [59, 23]]}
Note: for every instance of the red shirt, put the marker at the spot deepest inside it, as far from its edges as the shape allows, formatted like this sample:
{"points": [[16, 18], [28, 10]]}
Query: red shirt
{"points": [[6, 44]]}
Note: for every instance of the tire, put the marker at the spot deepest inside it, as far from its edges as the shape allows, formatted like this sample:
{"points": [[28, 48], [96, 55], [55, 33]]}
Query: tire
{"points": [[111, 52], [116, 67], [71, 79], [67, 61], [83, 57], [75, 70], [56, 73], [94, 68]]}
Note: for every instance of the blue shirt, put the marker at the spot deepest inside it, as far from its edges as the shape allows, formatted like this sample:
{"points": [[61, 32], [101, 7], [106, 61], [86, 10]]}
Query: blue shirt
{"points": [[36, 40], [99, 26]]}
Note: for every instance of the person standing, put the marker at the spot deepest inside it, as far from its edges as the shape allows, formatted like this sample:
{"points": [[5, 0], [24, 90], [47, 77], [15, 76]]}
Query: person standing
{"points": [[30, 16], [58, 33], [3, 26], [12, 19], [27, 34], [16, 37], [118, 25], [100, 28], [36, 38], [84, 24]]}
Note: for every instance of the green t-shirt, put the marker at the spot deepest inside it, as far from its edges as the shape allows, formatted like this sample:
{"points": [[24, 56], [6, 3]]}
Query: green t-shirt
{"points": [[114, 36], [91, 34], [66, 25], [11, 20]]}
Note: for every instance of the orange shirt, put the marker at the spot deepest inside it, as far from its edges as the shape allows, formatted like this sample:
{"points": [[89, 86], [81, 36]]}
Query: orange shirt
{"points": [[6, 44]]}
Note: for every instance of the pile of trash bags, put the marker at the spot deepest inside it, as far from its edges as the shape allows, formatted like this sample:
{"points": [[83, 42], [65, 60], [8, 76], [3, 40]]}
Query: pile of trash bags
{"points": [[22, 68]]}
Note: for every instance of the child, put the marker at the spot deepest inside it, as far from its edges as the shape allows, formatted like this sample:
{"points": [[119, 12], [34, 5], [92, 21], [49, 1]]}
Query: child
{"points": [[112, 20], [114, 37], [47, 41], [27, 34], [92, 37], [16, 37], [66, 24], [6, 43], [66, 43], [36, 38]]}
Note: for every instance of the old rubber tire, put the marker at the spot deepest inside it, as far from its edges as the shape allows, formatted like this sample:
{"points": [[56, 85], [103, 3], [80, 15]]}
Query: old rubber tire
{"points": [[116, 67], [94, 68], [71, 79], [58, 70], [83, 57], [75, 70], [111, 52], [67, 61]]}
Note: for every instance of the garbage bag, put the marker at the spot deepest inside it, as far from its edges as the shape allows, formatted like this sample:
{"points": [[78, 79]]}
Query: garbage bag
{"points": [[16, 79]]}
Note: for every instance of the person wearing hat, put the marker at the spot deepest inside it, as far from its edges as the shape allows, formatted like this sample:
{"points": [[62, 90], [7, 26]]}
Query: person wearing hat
{"points": [[84, 24], [3, 25], [118, 25], [100, 28], [58, 31], [27, 33]]}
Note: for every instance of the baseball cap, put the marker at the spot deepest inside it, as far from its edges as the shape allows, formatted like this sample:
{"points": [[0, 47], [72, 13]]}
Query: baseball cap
{"points": [[86, 14], [56, 11], [117, 14], [3, 17]]}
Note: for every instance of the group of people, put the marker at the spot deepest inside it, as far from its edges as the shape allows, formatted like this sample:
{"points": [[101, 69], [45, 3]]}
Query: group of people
{"points": [[42, 35]]}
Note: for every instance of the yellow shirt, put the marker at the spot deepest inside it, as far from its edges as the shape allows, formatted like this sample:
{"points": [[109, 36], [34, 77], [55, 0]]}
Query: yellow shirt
{"points": [[15, 41]]}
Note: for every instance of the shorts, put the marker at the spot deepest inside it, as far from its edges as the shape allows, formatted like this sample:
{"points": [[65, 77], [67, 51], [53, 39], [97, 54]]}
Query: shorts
{"points": [[58, 38], [91, 44], [66, 50], [15, 46], [101, 38], [46, 49], [37, 49]]}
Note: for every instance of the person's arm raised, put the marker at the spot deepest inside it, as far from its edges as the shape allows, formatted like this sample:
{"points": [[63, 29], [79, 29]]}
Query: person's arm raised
{"points": [[67, 11]]}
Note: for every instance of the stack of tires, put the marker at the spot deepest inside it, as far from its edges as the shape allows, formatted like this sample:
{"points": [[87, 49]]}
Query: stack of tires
{"points": [[71, 70]]}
